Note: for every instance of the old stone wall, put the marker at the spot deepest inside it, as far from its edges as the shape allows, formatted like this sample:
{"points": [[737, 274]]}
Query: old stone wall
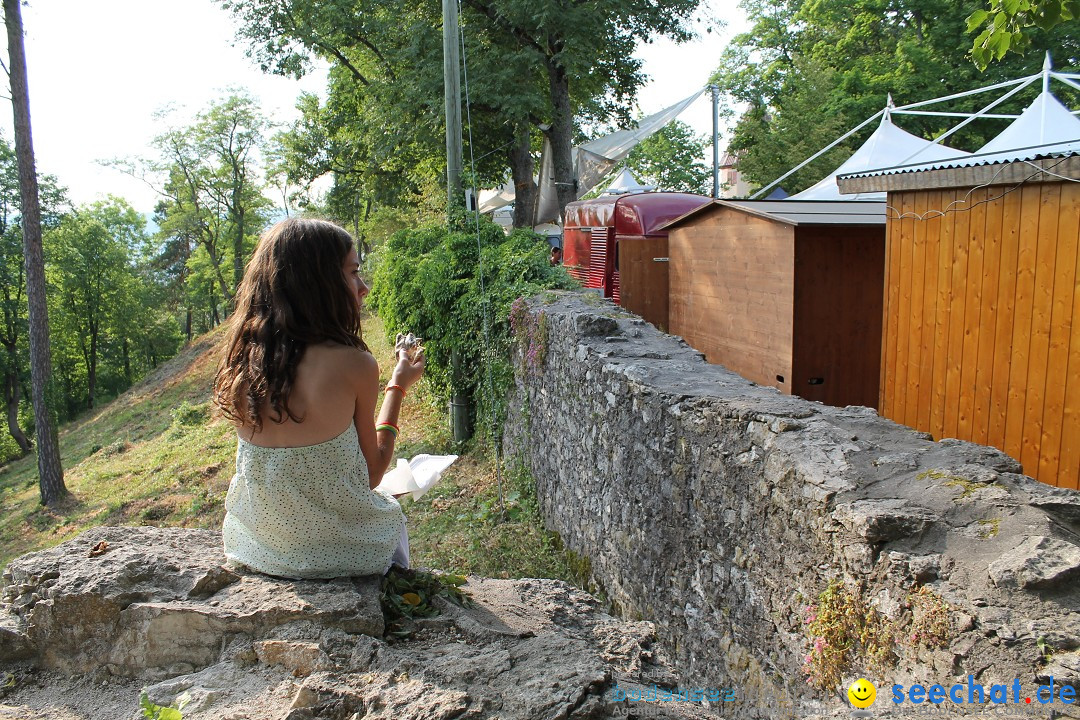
{"points": [[721, 510]]}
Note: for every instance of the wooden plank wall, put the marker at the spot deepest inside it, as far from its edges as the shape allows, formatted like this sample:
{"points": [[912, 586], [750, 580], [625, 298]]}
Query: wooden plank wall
{"points": [[732, 292], [837, 329], [982, 321], [643, 282]]}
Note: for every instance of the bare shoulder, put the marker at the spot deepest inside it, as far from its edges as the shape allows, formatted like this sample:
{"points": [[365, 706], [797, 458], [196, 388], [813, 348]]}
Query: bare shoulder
{"points": [[344, 362]]}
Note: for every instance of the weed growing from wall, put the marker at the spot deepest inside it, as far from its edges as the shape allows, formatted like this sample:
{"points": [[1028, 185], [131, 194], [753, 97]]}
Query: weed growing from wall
{"points": [[847, 636], [532, 333], [931, 622], [844, 632]]}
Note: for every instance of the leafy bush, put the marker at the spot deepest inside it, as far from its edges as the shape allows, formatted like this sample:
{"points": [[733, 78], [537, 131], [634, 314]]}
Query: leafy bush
{"points": [[428, 281]]}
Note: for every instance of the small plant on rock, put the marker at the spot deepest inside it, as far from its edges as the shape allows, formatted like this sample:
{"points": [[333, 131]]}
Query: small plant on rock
{"points": [[151, 711], [409, 594], [931, 623], [845, 632]]}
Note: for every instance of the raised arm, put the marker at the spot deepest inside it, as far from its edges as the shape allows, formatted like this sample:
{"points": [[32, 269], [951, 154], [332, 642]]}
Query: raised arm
{"points": [[378, 446]]}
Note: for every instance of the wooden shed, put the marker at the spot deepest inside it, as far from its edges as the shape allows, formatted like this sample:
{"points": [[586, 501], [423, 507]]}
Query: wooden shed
{"points": [[982, 305], [785, 293]]}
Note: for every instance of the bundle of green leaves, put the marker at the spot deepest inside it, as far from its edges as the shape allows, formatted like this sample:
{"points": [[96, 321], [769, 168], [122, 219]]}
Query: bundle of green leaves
{"points": [[455, 289]]}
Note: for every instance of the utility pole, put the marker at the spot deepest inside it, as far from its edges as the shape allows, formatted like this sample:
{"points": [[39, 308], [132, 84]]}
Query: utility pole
{"points": [[452, 88], [459, 400], [715, 140]]}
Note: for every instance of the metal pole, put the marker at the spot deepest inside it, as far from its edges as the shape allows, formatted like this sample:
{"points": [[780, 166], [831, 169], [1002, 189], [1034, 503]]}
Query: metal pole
{"points": [[715, 140], [452, 87]]}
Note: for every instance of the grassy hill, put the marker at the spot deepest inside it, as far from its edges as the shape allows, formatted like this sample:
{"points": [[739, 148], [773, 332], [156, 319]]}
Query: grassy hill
{"points": [[155, 456]]}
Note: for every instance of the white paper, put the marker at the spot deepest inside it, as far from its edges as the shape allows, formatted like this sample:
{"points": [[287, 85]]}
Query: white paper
{"points": [[415, 476]]}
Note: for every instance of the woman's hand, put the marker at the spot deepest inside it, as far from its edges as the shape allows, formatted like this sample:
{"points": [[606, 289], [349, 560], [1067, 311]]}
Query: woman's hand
{"points": [[407, 371]]}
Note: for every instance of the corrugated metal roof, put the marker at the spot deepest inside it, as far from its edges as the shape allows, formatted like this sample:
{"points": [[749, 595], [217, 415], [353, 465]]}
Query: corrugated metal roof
{"points": [[801, 212], [1033, 152]]}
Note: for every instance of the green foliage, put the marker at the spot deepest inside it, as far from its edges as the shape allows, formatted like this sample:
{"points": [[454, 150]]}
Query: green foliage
{"points": [[410, 594], [671, 160], [455, 289], [150, 711], [1009, 25]]}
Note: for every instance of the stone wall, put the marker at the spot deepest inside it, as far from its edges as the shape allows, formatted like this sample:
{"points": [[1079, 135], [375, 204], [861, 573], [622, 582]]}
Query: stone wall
{"points": [[720, 510]]}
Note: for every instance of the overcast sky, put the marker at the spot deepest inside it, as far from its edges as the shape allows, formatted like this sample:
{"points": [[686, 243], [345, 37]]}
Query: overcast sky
{"points": [[99, 71]]}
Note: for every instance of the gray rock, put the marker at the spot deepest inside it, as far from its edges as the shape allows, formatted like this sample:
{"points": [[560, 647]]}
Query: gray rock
{"points": [[883, 520], [265, 648], [1037, 562], [159, 597]]}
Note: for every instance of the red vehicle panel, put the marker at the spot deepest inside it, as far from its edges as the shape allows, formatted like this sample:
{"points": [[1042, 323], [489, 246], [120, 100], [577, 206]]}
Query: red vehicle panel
{"points": [[592, 230]]}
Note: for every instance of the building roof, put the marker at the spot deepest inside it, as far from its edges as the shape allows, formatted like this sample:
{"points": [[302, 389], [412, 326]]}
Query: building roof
{"points": [[799, 212], [1061, 159]]}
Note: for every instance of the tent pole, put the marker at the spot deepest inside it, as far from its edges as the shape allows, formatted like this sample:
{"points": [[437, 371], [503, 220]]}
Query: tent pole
{"points": [[715, 140], [819, 153]]}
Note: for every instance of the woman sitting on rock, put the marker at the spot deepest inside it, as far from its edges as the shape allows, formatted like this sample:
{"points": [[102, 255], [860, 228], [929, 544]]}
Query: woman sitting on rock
{"points": [[301, 387]]}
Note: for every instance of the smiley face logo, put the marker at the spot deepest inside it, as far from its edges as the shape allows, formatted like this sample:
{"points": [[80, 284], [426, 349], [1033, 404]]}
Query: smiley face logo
{"points": [[862, 693]]}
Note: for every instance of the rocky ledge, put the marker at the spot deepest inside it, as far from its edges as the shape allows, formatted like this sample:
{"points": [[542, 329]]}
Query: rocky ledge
{"points": [[86, 625]]}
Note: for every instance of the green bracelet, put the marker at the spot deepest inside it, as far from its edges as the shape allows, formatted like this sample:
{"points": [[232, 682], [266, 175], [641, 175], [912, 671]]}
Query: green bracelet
{"points": [[388, 427]]}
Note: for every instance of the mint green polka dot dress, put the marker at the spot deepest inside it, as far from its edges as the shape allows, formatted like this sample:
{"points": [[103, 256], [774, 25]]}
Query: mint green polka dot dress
{"points": [[307, 512]]}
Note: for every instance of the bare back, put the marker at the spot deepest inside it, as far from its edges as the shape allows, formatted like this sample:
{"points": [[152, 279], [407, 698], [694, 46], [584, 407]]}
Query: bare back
{"points": [[323, 397]]}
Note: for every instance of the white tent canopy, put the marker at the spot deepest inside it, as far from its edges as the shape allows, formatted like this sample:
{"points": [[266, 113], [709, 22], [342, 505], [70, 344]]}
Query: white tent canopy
{"points": [[625, 182], [1045, 121], [888, 146]]}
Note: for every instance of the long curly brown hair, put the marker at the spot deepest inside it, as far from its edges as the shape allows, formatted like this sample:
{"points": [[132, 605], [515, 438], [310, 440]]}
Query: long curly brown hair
{"points": [[294, 293]]}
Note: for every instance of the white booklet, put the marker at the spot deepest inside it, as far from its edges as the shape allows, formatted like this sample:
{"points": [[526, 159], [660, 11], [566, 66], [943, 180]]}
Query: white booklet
{"points": [[415, 476]]}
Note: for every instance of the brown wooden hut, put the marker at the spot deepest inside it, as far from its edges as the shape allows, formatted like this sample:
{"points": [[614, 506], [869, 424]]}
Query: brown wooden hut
{"points": [[982, 308], [785, 293]]}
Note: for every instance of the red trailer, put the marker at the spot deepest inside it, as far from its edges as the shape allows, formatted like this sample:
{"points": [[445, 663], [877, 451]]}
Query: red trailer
{"points": [[613, 243]]}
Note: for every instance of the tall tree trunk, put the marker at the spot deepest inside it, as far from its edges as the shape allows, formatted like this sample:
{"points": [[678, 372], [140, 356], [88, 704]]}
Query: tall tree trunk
{"points": [[561, 135], [91, 369], [523, 170], [187, 326], [50, 471], [12, 395], [238, 244], [127, 361]]}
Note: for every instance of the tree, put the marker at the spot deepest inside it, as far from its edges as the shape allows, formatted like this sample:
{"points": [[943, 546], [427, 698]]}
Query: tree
{"points": [[50, 470], [14, 360], [92, 276], [210, 175], [671, 160], [1009, 25], [530, 66]]}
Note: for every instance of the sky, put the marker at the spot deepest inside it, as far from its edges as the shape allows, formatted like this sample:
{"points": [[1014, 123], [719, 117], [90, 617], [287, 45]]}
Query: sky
{"points": [[101, 72]]}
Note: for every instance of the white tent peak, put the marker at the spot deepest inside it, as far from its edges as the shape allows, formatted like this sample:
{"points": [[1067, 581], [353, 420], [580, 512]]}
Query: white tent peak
{"points": [[625, 182], [1044, 121], [888, 146]]}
